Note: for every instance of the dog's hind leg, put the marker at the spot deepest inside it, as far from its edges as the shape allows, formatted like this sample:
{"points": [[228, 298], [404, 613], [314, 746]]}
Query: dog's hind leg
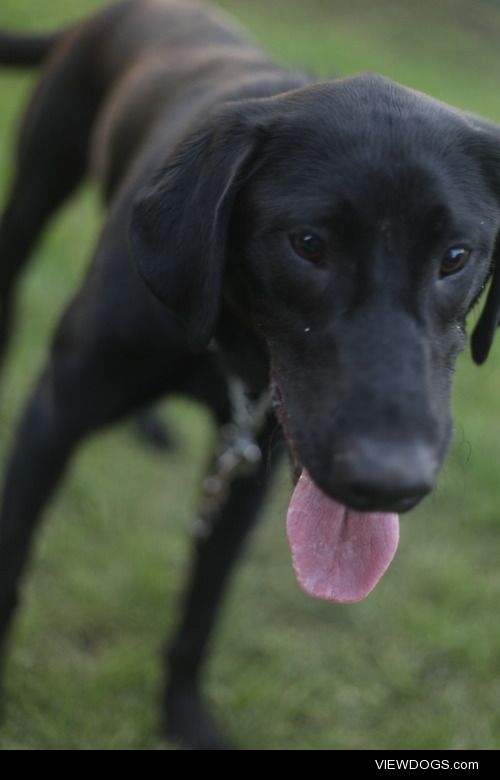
{"points": [[216, 551], [51, 161]]}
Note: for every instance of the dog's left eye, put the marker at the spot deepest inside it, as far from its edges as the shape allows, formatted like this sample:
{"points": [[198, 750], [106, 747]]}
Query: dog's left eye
{"points": [[309, 247], [453, 260]]}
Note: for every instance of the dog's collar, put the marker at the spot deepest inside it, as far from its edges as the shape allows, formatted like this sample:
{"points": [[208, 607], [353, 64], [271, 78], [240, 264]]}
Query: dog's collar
{"points": [[237, 452]]}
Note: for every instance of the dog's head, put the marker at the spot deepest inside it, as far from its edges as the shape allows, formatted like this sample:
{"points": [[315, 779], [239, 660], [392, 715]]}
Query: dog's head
{"points": [[354, 224]]}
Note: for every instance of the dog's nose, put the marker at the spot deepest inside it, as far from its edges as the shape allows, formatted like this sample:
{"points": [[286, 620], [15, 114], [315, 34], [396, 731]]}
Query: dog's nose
{"points": [[381, 476]]}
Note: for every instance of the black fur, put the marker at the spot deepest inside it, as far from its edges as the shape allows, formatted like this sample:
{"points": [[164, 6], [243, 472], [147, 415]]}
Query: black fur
{"points": [[213, 160]]}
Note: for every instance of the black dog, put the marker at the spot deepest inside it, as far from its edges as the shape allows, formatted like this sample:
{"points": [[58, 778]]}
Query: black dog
{"points": [[327, 239]]}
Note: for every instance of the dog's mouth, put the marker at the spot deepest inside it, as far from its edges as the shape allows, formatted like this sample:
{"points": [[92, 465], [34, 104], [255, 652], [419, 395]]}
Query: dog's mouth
{"points": [[338, 554]]}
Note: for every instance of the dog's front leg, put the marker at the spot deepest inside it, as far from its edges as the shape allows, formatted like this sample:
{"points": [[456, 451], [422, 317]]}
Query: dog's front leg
{"points": [[216, 550]]}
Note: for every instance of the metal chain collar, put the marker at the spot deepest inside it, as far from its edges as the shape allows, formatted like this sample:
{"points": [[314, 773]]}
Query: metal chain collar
{"points": [[237, 452]]}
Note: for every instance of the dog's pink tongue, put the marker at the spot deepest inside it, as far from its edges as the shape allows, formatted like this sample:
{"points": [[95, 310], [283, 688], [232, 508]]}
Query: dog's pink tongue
{"points": [[337, 554]]}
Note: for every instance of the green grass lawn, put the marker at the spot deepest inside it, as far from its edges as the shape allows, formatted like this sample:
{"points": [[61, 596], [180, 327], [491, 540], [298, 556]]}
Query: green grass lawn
{"points": [[417, 665]]}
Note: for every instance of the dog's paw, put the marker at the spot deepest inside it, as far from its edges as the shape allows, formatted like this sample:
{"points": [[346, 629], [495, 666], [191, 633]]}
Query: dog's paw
{"points": [[189, 725]]}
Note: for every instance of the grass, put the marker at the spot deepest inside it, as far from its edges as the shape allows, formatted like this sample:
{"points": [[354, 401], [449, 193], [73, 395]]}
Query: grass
{"points": [[416, 665]]}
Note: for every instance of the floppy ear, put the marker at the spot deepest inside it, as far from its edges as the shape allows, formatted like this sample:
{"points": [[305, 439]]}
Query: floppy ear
{"points": [[485, 143], [180, 222], [484, 332], [482, 140]]}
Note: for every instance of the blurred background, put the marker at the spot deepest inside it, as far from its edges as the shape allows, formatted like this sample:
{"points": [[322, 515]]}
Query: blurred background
{"points": [[417, 664]]}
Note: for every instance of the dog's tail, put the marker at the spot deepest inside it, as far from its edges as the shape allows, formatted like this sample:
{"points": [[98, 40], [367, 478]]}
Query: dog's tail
{"points": [[26, 51]]}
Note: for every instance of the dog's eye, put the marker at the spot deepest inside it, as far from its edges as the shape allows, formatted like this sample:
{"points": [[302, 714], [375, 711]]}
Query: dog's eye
{"points": [[309, 247], [453, 260]]}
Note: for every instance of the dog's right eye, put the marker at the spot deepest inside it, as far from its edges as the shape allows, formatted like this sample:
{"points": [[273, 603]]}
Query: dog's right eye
{"points": [[309, 247]]}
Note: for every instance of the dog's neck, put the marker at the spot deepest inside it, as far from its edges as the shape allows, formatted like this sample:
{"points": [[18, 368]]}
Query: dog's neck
{"points": [[242, 353]]}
